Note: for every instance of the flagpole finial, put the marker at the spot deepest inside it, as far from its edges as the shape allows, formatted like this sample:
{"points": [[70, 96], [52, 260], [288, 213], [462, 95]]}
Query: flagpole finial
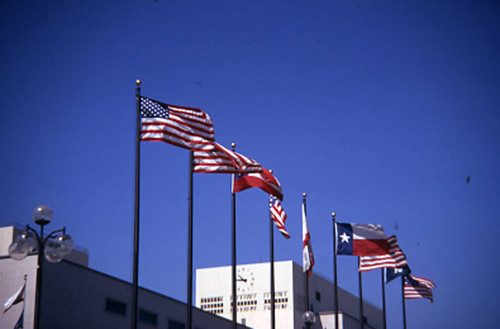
{"points": [[138, 82], [304, 194], [271, 171], [333, 214], [233, 145]]}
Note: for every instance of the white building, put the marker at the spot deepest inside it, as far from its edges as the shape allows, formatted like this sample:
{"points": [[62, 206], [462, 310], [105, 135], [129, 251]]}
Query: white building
{"points": [[214, 295]]}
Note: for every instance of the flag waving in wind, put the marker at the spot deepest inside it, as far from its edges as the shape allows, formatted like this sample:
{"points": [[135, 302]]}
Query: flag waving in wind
{"points": [[307, 254], [20, 321], [263, 180], [222, 160], [394, 258], [393, 273], [361, 240], [278, 215], [15, 299], [416, 287], [186, 127]]}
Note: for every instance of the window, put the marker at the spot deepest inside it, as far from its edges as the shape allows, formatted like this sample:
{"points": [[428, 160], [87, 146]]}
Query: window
{"points": [[115, 306], [172, 324], [318, 296], [214, 305], [148, 317]]}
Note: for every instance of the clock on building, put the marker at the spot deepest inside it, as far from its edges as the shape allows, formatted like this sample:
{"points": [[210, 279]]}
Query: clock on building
{"points": [[246, 279]]}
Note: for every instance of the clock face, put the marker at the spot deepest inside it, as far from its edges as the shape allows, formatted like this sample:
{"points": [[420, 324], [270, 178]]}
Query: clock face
{"points": [[245, 279]]}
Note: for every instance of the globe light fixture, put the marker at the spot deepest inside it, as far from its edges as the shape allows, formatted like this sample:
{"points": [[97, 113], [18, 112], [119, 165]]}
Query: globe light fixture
{"points": [[53, 247], [42, 215], [308, 318]]}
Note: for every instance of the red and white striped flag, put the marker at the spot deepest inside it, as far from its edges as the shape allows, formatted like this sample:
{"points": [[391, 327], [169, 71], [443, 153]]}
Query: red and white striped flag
{"points": [[307, 254], [264, 180], [186, 127], [394, 259], [222, 160], [278, 215], [416, 287]]}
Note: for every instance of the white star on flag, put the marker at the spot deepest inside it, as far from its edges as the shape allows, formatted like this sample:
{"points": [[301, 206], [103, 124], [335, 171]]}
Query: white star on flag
{"points": [[345, 238]]}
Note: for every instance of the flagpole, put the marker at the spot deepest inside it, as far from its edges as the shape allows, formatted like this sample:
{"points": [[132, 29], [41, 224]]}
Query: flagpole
{"points": [[271, 237], [189, 313], [404, 302], [306, 273], [135, 274], [336, 290], [361, 315], [273, 311], [233, 249], [39, 274], [24, 301], [383, 298]]}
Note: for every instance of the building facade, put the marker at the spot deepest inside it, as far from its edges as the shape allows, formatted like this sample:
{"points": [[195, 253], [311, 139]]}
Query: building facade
{"points": [[214, 295], [77, 297]]}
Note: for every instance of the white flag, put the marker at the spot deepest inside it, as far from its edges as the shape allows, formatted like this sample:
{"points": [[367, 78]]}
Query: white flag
{"points": [[15, 299]]}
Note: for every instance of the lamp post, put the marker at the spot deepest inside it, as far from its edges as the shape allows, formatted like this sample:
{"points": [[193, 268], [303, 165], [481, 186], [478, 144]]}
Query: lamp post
{"points": [[54, 247], [308, 318]]}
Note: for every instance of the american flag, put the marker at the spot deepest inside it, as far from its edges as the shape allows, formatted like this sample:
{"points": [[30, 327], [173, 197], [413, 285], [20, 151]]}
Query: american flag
{"points": [[416, 287], [394, 259], [278, 215], [222, 160], [185, 127]]}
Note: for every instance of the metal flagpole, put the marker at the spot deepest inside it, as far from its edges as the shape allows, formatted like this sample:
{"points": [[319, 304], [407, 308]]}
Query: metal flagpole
{"points": [[404, 302], [273, 310], [306, 273], [135, 274], [24, 302], [271, 237], [336, 290], [361, 313], [383, 298], [39, 274], [189, 316], [233, 249]]}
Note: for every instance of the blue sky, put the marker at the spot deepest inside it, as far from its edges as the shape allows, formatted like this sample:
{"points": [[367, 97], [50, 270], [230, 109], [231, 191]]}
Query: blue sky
{"points": [[379, 110]]}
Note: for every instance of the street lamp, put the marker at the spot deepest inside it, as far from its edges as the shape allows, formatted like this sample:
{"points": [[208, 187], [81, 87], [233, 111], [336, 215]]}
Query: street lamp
{"points": [[55, 246], [309, 318]]}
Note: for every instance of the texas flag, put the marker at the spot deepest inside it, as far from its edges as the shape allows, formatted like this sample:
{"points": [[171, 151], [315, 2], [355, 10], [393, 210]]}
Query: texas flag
{"points": [[361, 240]]}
